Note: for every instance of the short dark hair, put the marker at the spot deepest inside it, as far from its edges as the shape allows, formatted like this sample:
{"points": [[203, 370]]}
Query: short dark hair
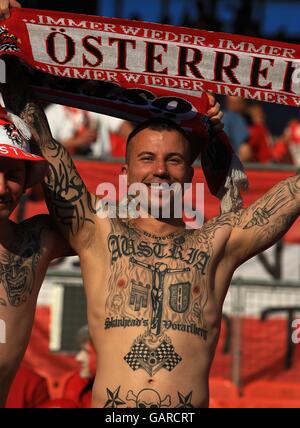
{"points": [[160, 124]]}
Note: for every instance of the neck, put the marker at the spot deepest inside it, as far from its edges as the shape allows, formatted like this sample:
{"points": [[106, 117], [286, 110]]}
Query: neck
{"points": [[160, 227]]}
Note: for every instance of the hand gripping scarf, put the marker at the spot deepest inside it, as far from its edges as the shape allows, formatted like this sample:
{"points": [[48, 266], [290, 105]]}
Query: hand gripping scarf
{"points": [[136, 70]]}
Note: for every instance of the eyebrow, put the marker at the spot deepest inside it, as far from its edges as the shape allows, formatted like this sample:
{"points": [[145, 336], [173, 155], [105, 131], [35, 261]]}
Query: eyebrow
{"points": [[168, 155]]}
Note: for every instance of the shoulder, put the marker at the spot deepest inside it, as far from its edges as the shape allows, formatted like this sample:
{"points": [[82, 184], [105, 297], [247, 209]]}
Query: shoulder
{"points": [[36, 223], [42, 229]]}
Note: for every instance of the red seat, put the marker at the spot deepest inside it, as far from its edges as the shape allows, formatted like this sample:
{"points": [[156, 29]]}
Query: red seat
{"points": [[223, 393], [222, 388], [273, 389], [249, 402]]}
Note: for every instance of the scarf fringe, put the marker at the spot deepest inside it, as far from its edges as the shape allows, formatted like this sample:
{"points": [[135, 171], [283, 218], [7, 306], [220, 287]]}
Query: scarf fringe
{"points": [[21, 126], [230, 193]]}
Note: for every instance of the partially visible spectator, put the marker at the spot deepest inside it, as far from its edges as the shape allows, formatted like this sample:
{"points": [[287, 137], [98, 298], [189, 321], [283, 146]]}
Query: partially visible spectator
{"points": [[88, 133], [287, 148], [291, 138], [76, 129], [236, 127], [112, 137], [28, 390], [260, 138], [78, 386]]}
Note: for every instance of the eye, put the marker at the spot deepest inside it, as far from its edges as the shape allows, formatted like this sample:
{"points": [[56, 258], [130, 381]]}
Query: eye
{"points": [[13, 176], [175, 160], [141, 406], [146, 158]]}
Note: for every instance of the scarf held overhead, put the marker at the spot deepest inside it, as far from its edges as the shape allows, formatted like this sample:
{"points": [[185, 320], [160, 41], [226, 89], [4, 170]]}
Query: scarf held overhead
{"points": [[136, 70]]}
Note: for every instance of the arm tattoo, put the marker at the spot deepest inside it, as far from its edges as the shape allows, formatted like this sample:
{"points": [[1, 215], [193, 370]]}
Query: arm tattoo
{"points": [[277, 209], [269, 206], [266, 221], [68, 199]]}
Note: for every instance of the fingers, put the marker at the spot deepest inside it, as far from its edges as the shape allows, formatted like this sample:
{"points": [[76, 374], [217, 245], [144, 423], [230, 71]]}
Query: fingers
{"points": [[5, 6], [211, 98], [215, 113], [4, 9], [15, 3]]}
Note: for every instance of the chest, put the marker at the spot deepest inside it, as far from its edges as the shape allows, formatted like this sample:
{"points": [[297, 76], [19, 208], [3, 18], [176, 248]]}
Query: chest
{"points": [[18, 268], [158, 281]]}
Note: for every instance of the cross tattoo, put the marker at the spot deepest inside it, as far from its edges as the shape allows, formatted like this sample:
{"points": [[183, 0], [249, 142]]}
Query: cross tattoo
{"points": [[159, 271]]}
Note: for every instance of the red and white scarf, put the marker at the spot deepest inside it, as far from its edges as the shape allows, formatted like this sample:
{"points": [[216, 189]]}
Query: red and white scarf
{"points": [[135, 70]]}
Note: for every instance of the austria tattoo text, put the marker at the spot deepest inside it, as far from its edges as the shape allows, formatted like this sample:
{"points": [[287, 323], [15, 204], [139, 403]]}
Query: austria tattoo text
{"points": [[160, 284]]}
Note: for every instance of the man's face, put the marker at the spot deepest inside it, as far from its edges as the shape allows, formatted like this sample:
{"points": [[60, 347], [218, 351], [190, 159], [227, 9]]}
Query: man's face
{"points": [[12, 184], [157, 157], [87, 359]]}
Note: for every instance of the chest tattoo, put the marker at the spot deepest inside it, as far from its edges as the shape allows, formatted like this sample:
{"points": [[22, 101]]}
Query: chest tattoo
{"points": [[160, 285], [18, 266]]}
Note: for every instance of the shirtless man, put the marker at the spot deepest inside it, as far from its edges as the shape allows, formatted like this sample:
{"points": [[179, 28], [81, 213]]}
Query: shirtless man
{"points": [[154, 289], [26, 250]]}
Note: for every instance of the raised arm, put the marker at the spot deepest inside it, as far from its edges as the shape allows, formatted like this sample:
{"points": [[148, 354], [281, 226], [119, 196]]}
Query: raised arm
{"points": [[264, 222], [70, 204]]}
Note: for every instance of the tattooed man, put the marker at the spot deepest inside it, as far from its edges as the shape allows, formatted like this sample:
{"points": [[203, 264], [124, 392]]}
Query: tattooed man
{"points": [[25, 250], [154, 289]]}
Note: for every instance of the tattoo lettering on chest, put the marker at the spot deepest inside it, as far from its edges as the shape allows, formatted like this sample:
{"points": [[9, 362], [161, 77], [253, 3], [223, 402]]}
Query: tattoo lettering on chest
{"points": [[160, 285], [18, 267]]}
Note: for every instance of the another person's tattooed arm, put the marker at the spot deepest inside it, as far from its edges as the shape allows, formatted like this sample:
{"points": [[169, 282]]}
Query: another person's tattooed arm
{"points": [[71, 205], [264, 222]]}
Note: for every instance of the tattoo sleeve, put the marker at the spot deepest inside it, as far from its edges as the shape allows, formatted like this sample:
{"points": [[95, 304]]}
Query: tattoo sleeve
{"points": [[267, 220], [70, 204], [68, 200]]}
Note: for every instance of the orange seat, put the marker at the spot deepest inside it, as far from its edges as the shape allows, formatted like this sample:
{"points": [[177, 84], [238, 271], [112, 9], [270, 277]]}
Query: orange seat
{"points": [[222, 389], [249, 402], [273, 390]]}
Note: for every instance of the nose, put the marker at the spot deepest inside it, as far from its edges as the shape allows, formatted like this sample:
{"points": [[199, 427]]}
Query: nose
{"points": [[161, 169], [3, 186]]}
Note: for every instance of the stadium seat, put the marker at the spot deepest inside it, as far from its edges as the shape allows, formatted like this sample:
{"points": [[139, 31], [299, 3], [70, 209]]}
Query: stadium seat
{"points": [[273, 390], [255, 403], [223, 393]]}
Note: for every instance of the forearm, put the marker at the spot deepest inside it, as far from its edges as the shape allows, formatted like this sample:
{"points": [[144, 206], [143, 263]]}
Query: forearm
{"points": [[266, 221], [67, 198]]}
